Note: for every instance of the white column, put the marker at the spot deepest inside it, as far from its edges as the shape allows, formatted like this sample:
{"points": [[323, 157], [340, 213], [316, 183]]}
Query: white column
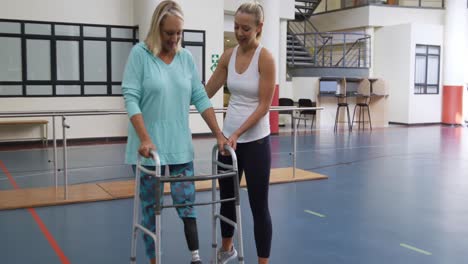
{"points": [[465, 92], [142, 13], [454, 57], [271, 30], [285, 90], [370, 50], [455, 42]]}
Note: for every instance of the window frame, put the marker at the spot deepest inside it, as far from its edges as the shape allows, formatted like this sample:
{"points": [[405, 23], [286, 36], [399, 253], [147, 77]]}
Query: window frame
{"points": [[197, 44], [80, 38], [427, 55], [53, 38]]}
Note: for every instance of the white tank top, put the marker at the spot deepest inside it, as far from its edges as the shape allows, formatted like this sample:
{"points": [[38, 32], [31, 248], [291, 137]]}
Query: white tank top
{"points": [[244, 100]]}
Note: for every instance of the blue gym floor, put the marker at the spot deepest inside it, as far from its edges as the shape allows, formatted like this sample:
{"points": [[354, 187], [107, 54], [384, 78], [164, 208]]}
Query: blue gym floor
{"points": [[394, 195]]}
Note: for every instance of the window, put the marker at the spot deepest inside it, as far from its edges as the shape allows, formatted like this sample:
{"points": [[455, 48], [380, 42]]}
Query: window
{"points": [[427, 68], [194, 41], [40, 59], [62, 59]]}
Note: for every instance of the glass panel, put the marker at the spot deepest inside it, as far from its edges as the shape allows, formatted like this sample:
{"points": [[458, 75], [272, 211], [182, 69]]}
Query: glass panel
{"points": [[333, 5], [346, 4], [95, 89], [193, 36], [432, 3], [137, 34], [68, 67], [433, 70], [328, 87], [38, 90], [122, 33], [420, 72], [421, 49], [95, 61], [418, 89], [38, 29], [412, 3], [120, 52], [10, 59], [116, 89], [38, 59], [434, 50], [432, 89], [68, 89], [66, 30], [197, 53], [10, 27], [11, 90], [94, 32]]}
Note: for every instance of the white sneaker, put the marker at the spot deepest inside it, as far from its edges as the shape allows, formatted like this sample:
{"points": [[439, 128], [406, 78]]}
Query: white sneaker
{"points": [[225, 256]]}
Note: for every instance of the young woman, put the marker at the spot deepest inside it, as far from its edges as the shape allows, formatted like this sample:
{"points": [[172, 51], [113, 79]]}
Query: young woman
{"points": [[249, 70]]}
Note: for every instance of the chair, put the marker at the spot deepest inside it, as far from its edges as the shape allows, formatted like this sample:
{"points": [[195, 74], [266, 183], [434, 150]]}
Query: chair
{"points": [[303, 113], [362, 103], [286, 102], [342, 102]]}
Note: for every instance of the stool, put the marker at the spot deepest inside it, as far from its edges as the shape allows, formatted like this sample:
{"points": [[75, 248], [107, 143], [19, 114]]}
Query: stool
{"points": [[340, 105], [342, 102], [362, 107], [362, 102]]}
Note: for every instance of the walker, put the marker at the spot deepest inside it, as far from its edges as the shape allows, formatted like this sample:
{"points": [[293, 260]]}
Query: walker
{"points": [[231, 171]]}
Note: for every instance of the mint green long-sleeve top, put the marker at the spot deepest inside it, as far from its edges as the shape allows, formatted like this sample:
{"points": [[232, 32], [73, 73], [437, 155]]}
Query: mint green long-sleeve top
{"points": [[162, 93]]}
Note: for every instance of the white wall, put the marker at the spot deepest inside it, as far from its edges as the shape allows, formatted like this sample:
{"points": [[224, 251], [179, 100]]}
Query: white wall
{"points": [[465, 92], [380, 16], [110, 12], [113, 12], [376, 16], [286, 7], [341, 20], [425, 108], [392, 62]]}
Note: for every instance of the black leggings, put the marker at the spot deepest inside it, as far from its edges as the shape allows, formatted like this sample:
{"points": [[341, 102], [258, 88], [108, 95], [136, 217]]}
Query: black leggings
{"points": [[253, 158]]}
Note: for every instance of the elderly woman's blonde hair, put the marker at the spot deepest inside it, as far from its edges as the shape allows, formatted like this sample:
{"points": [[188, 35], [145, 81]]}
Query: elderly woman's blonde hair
{"points": [[165, 8], [255, 9]]}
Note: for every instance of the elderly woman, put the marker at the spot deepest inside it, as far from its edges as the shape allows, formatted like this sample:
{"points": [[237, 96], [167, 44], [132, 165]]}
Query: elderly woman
{"points": [[159, 85]]}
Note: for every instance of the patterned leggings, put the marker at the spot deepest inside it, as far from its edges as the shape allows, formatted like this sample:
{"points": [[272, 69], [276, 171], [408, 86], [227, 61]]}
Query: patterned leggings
{"points": [[181, 192]]}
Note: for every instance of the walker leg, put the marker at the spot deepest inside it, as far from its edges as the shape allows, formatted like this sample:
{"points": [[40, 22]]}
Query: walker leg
{"points": [[136, 205], [157, 241], [240, 254], [214, 232]]}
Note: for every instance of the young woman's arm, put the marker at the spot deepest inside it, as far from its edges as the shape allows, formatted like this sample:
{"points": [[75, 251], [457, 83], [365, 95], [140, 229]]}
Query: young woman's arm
{"points": [[219, 77]]}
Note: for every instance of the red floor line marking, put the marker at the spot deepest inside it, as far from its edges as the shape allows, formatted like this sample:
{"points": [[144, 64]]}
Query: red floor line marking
{"points": [[52, 242], [10, 178]]}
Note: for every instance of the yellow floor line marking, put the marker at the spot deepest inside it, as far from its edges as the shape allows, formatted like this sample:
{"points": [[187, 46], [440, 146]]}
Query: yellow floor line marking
{"points": [[415, 249], [314, 213]]}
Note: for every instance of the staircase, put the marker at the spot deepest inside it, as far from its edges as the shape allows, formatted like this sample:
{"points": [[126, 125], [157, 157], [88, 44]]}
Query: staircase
{"points": [[297, 54], [305, 9], [314, 53]]}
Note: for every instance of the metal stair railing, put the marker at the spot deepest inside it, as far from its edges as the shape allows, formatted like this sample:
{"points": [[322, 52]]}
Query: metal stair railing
{"points": [[357, 42], [329, 49]]}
